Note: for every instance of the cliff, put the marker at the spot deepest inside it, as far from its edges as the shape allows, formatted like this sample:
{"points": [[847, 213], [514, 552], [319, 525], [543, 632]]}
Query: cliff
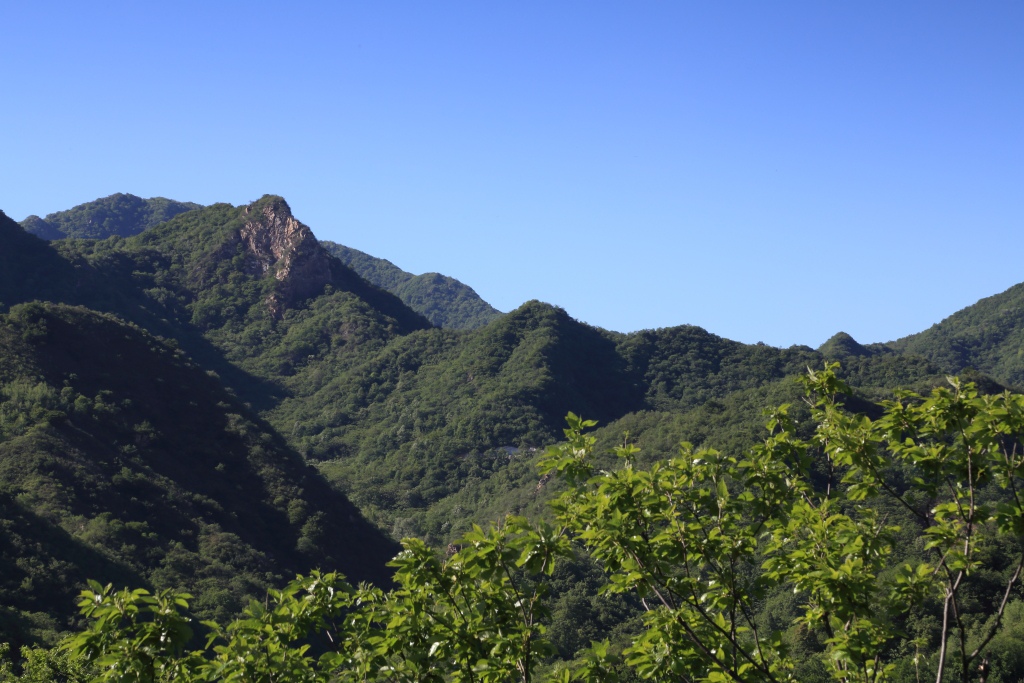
{"points": [[275, 242]]}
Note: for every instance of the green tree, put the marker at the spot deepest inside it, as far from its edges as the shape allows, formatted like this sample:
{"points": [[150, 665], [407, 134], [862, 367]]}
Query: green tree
{"points": [[473, 616], [708, 542], [705, 538]]}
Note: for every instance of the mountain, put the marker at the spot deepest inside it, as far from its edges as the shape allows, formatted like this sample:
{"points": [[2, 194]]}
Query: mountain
{"points": [[399, 415], [841, 345], [380, 272], [119, 214], [215, 401], [414, 419], [987, 336], [122, 459], [660, 387], [112, 437], [443, 300]]}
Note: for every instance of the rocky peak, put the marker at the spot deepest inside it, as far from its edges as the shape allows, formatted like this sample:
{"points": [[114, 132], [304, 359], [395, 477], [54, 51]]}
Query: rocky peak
{"points": [[277, 243]]}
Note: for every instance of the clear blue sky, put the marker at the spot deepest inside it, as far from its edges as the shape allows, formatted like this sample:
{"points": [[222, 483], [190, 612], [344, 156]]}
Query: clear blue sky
{"points": [[770, 171]]}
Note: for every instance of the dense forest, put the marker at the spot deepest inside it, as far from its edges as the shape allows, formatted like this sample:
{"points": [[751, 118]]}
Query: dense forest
{"points": [[209, 400]]}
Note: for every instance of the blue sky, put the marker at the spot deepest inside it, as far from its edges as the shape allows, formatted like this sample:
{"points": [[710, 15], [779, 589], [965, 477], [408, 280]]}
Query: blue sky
{"points": [[772, 172]]}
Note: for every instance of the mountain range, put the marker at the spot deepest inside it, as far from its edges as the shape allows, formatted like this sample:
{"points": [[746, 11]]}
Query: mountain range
{"points": [[443, 300], [216, 400]]}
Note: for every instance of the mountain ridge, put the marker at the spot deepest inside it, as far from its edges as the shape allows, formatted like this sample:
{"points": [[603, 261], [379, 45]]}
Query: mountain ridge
{"points": [[443, 300], [119, 214], [310, 374], [988, 336]]}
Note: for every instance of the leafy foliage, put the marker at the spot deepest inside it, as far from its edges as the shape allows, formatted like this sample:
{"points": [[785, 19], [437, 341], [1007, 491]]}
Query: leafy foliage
{"points": [[474, 616], [708, 543], [707, 538]]}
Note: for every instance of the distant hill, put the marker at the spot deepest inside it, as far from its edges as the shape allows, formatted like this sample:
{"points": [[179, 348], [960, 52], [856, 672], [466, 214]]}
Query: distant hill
{"points": [[119, 214], [841, 346], [987, 336], [443, 300]]}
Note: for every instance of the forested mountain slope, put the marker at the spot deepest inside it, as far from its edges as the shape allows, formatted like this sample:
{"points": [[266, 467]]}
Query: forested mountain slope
{"points": [[728, 420], [159, 405], [113, 439], [398, 414], [143, 462], [412, 421], [443, 300], [29, 267], [434, 412], [119, 214], [987, 336]]}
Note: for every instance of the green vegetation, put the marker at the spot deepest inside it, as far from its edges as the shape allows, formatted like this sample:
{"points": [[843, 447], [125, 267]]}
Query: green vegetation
{"points": [[378, 271], [192, 408], [29, 268], [442, 300], [988, 336], [895, 533], [119, 214], [874, 550], [446, 302], [121, 459]]}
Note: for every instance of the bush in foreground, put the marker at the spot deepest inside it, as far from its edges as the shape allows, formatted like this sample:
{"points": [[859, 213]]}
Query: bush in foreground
{"points": [[876, 549]]}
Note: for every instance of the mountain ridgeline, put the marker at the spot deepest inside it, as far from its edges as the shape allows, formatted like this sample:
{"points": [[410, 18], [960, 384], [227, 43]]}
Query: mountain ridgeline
{"points": [[988, 336], [119, 214], [218, 400], [443, 300]]}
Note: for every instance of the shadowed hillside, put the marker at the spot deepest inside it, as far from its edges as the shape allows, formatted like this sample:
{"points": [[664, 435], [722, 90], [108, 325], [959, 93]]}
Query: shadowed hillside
{"points": [[116, 439]]}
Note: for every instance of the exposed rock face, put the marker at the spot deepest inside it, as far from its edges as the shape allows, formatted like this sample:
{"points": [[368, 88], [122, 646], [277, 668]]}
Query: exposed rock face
{"points": [[276, 242]]}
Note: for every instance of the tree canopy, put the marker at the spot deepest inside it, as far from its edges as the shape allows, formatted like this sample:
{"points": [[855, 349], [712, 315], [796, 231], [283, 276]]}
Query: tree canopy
{"points": [[884, 549]]}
